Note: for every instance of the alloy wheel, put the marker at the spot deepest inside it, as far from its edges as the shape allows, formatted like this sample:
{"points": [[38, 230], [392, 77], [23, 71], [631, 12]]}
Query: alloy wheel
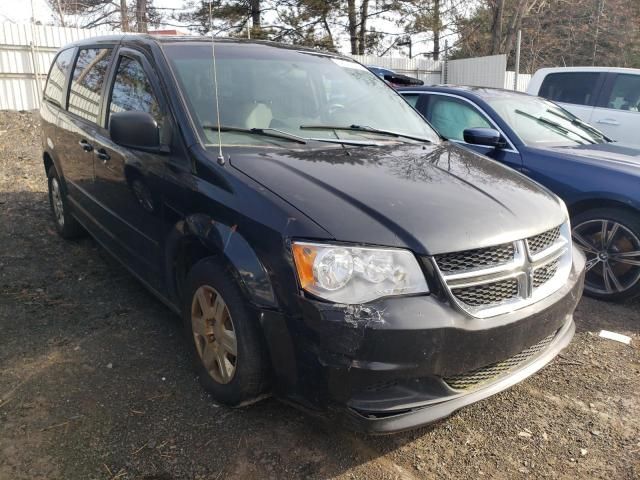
{"points": [[214, 334], [613, 255], [56, 202]]}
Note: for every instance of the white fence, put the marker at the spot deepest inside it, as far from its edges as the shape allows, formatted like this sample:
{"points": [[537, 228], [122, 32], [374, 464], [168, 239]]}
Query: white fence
{"points": [[523, 81], [427, 70], [479, 71], [26, 52]]}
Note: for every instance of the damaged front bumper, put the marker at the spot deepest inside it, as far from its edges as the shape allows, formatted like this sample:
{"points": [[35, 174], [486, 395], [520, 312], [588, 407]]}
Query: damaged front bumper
{"points": [[406, 417], [403, 362]]}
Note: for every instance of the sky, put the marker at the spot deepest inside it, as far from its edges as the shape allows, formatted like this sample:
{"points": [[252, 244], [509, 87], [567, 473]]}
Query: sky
{"points": [[19, 11]]}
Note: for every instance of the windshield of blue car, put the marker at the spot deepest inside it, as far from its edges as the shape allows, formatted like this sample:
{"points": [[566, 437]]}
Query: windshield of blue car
{"points": [[539, 122], [263, 87]]}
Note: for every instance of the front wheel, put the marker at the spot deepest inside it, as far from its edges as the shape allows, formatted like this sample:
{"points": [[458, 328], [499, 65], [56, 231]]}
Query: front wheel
{"points": [[610, 239], [227, 347]]}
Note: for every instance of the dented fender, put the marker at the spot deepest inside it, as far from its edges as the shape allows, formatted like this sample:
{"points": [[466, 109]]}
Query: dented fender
{"points": [[228, 242]]}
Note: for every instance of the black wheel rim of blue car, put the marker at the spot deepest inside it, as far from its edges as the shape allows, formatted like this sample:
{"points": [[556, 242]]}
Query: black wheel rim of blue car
{"points": [[613, 255]]}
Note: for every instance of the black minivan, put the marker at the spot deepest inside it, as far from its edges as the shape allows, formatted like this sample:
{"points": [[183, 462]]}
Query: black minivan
{"points": [[319, 240]]}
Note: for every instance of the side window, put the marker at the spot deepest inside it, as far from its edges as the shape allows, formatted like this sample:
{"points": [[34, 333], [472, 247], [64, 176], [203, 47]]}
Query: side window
{"points": [[57, 76], [412, 99], [87, 80], [132, 90], [451, 117], [625, 94], [570, 87]]}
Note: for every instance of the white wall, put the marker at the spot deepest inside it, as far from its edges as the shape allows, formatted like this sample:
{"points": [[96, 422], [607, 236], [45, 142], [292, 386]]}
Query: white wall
{"points": [[523, 81], [479, 71], [425, 69]]}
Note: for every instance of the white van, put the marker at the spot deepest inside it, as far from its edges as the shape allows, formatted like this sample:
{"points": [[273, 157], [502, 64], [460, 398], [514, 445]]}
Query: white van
{"points": [[607, 98]]}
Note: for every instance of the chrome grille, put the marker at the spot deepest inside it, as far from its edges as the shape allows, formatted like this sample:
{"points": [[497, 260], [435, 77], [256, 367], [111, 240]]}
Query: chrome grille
{"points": [[543, 241], [480, 257], [488, 293], [475, 378], [489, 281], [545, 273]]}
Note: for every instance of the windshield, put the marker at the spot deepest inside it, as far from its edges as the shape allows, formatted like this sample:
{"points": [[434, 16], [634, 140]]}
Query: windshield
{"points": [[281, 90], [539, 122]]}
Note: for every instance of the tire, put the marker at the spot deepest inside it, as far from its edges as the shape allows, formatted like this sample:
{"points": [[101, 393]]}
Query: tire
{"points": [[210, 341], [613, 258], [66, 224]]}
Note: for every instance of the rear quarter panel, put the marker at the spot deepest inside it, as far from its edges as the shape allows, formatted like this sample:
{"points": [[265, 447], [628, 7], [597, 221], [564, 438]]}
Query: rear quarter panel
{"points": [[48, 119]]}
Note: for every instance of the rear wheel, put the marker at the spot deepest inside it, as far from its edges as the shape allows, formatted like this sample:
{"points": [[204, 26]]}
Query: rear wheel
{"points": [[610, 239], [66, 225], [229, 353]]}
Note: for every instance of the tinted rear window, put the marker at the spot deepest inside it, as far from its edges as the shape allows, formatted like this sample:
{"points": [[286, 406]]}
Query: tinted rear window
{"points": [[570, 87], [55, 82], [86, 83]]}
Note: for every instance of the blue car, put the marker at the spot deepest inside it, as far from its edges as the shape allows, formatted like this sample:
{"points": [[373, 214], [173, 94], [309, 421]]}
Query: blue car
{"points": [[599, 180]]}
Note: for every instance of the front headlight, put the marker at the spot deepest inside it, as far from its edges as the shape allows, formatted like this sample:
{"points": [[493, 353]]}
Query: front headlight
{"points": [[344, 274]]}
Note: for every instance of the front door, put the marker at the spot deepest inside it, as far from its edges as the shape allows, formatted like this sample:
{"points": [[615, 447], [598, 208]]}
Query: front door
{"points": [[128, 181], [451, 116]]}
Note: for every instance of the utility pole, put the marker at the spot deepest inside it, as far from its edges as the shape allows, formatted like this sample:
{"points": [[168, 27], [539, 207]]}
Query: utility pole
{"points": [[35, 57], [600, 11], [445, 64], [436, 30], [517, 69]]}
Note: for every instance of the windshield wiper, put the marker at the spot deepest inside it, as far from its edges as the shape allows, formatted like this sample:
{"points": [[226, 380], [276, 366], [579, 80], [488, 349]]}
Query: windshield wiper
{"points": [[585, 125], [274, 132], [556, 126], [267, 132], [361, 128]]}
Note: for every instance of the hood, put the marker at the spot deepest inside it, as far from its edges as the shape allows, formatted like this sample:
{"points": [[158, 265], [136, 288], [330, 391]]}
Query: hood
{"points": [[430, 199], [614, 152]]}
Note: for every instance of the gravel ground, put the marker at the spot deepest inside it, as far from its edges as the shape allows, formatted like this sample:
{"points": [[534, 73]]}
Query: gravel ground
{"points": [[95, 382]]}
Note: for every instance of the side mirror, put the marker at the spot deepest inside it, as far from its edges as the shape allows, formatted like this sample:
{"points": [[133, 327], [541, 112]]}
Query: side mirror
{"points": [[489, 137], [137, 130]]}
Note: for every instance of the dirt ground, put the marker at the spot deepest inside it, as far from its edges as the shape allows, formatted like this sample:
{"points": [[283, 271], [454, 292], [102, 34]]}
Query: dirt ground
{"points": [[95, 382]]}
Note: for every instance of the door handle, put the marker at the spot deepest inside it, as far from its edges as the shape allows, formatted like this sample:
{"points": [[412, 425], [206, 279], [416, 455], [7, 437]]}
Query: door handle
{"points": [[86, 146], [608, 121], [103, 155]]}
